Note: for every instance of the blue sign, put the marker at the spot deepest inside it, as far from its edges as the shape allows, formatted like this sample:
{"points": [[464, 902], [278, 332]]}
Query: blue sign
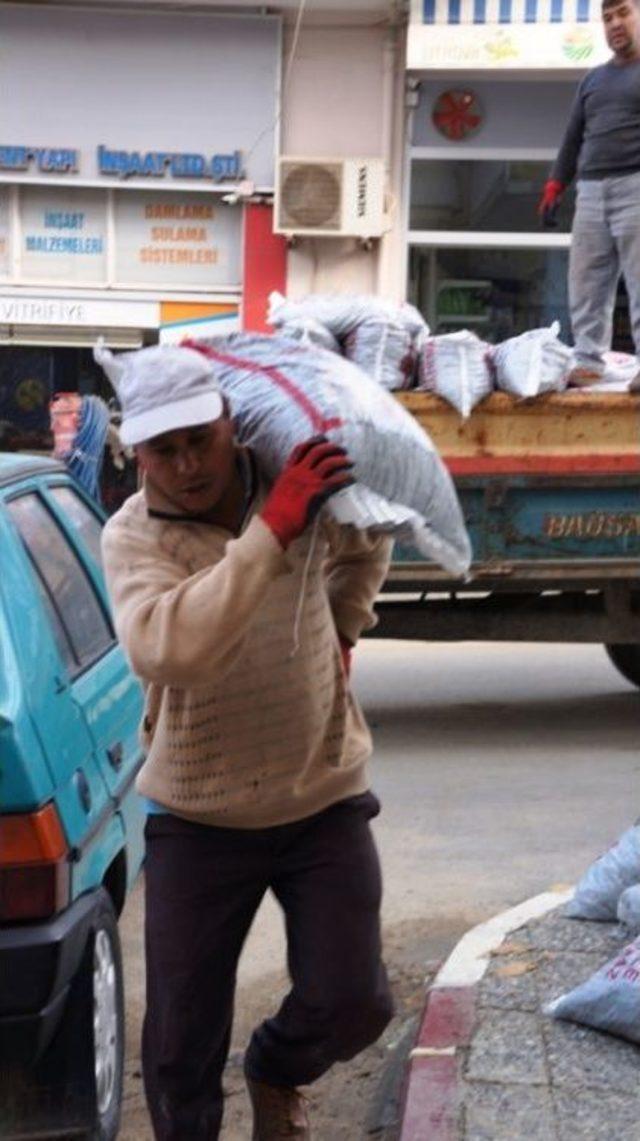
{"points": [[157, 164], [49, 160]]}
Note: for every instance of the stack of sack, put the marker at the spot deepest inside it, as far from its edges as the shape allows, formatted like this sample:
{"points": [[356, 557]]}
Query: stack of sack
{"points": [[392, 344], [609, 890], [381, 338]]}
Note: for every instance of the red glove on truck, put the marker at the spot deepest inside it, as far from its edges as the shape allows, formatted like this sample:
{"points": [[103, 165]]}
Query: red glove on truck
{"points": [[314, 471], [550, 200]]}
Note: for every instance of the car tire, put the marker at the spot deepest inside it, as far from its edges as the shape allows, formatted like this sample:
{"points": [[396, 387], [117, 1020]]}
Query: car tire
{"points": [[626, 659], [100, 983]]}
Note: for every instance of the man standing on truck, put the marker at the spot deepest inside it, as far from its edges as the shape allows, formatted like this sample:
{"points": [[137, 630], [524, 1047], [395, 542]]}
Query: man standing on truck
{"points": [[238, 605], [602, 145]]}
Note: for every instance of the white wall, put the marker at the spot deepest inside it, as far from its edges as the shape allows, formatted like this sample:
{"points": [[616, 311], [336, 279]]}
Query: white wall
{"points": [[342, 100]]}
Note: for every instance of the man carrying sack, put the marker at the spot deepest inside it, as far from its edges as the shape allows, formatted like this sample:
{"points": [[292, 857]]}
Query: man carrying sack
{"points": [[237, 605]]}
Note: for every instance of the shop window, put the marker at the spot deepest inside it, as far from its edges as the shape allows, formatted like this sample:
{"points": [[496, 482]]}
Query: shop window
{"points": [[481, 195], [496, 292]]}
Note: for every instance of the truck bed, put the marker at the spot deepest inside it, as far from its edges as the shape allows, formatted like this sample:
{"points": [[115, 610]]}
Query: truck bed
{"points": [[550, 490], [574, 432]]}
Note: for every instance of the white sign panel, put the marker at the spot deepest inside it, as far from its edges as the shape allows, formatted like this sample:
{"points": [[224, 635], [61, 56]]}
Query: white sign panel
{"points": [[64, 235], [34, 310], [505, 47], [170, 240], [5, 233], [155, 97]]}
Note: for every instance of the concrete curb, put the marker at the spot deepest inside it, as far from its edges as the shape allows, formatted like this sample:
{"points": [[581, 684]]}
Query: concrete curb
{"points": [[431, 1097]]}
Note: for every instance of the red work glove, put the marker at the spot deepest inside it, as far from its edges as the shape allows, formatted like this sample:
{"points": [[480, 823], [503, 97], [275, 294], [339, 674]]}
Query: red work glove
{"points": [[345, 649], [314, 471], [550, 201]]}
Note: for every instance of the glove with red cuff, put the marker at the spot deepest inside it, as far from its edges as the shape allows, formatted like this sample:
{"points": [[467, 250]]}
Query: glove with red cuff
{"points": [[314, 471], [550, 200]]}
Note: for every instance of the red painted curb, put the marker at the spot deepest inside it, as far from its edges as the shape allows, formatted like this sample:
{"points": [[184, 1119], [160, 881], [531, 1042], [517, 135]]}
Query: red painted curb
{"points": [[431, 1103]]}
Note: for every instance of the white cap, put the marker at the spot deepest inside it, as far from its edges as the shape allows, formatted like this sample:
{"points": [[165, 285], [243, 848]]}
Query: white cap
{"points": [[161, 388]]}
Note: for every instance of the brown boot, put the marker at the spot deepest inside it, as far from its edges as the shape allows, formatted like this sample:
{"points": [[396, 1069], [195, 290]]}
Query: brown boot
{"points": [[279, 1113]]}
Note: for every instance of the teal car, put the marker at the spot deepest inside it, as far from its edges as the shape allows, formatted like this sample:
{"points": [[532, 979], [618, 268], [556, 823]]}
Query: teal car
{"points": [[71, 823]]}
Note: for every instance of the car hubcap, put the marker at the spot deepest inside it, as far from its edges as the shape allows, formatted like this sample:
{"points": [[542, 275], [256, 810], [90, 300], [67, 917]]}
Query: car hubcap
{"points": [[105, 1020]]}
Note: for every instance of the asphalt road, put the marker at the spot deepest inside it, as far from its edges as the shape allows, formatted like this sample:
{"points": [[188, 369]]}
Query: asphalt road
{"points": [[503, 770]]}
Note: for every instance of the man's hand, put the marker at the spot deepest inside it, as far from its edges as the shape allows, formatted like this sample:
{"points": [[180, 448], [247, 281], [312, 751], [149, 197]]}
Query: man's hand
{"points": [[550, 201], [314, 471]]}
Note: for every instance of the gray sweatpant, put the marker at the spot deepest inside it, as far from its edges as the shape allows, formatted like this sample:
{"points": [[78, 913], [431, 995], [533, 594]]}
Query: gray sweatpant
{"points": [[605, 243]]}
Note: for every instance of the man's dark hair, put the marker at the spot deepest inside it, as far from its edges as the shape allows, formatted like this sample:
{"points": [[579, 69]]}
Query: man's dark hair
{"points": [[615, 3]]}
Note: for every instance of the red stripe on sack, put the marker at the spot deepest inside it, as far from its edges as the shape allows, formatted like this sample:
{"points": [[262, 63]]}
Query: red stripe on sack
{"points": [[318, 421]]}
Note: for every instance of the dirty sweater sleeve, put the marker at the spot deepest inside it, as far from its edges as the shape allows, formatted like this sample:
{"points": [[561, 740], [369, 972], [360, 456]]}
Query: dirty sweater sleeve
{"points": [[356, 568], [184, 631], [566, 164]]}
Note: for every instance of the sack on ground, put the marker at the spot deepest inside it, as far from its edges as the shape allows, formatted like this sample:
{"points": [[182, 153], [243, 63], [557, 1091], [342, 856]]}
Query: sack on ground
{"points": [[628, 909], [533, 363], [609, 1000], [598, 892], [456, 366], [282, 392]]}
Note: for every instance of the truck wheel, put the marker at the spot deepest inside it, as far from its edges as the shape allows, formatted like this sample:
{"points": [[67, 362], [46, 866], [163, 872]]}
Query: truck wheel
{"points": [[626, 659], [101, 979]]}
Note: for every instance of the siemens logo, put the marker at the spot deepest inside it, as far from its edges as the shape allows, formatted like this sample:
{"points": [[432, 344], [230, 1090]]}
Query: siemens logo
{"points": [[361, 197]]}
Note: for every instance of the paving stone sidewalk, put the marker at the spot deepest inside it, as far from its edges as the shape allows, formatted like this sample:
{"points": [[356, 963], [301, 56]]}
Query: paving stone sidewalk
{"points": [[512, 1073]]}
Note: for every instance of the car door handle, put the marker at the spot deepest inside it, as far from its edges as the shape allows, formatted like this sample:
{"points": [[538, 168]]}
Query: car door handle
{"points": [[115, 754]]}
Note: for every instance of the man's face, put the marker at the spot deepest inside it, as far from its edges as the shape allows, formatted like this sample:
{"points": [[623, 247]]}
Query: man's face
{"points": [[622, 28], [193, 467]]}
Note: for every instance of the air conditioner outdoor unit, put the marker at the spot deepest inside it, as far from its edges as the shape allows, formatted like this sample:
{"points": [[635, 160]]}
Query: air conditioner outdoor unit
{"points": [[331, 197]]}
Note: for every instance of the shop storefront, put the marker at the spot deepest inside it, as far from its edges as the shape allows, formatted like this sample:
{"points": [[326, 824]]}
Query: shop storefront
{"points": [[136, 161], [492, 83]]}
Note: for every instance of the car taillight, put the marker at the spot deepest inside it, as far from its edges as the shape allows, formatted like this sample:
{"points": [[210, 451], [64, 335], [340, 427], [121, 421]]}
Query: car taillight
{"points": [[34, 865]]}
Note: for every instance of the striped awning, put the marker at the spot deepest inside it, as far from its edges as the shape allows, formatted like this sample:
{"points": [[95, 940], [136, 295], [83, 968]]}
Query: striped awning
{"points": [[509, 11], [499, 35]]}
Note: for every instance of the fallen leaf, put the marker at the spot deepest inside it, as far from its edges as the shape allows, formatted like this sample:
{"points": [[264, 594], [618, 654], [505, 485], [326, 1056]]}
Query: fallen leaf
{"points": [[512, 970], [511, 947]]}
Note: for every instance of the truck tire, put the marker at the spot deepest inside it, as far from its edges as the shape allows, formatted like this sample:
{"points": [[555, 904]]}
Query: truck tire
{"points": [[626, 659]]}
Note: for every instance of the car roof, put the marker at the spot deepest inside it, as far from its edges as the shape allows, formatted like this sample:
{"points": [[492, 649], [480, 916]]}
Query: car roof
{"points": [[14, 466]]}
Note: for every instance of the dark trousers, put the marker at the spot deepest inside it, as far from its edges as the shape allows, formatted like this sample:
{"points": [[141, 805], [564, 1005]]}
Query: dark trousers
{"points": [[203, 888]]}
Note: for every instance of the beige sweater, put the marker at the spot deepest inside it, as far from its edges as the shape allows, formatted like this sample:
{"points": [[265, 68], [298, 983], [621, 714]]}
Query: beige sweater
{"points": [[249, 719]]}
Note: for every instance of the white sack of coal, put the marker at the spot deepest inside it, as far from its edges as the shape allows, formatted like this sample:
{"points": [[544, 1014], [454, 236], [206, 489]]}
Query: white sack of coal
{"points": [[381, 337], [628, 909], [609, 1000], [598, 892], [385, 349], [341, 312], [456, 366], [533, 363], [282, 392], [620, 371], [311, 332]]}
